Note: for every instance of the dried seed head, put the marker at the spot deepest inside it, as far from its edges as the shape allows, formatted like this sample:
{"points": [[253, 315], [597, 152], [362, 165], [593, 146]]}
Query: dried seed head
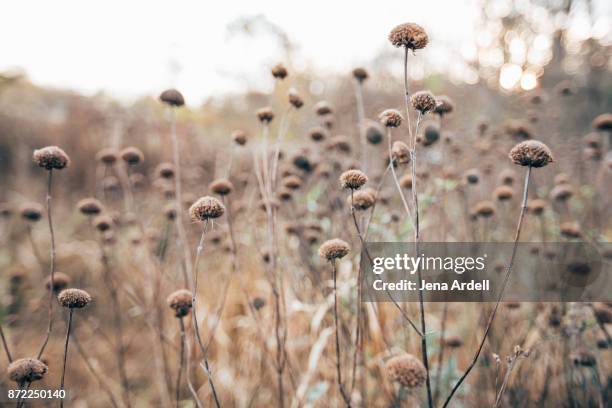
{"points": [[172, 97], [603, 313], [562, 192], [362, 200], [583, 357], [503, 193], [6, 211], [340, 143], [206, 208], [472, 176], [285, 195], [107, 156], [322, 108], [406, 181], [400, 152], [302, 162], [603, 122], [132, 155], [561, 178], [60, 282], [407, 370], [317, 134], [102, 222], [409, 35], [51, 157], [239, 137], [265, 115], [570, 229], [360, 74], [592, 140], [137, 180], [374, 133], [292, 182], [518, 130], [423, 101], [89, 206], [390, 118], [170, 211], [181, 302], [531, 153], [431, 134], [507, 177], [453, 341], [295, 99], [334, 249], [279, 71], [31, 211], [165, 170], [484, 209], [74, 298], [536, 206], [445, 105], [222, 187], [26, 370], [258, 303], [353, 179]]}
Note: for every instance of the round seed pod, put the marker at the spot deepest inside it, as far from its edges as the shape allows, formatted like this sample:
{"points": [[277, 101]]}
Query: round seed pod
{"points": [[265, 115], [561, 178], [165, 170], [285, 195], [484, 209], [222, 187], [561, 192], [132, 155], [518, 130], [181, 302], [507, 177], [503, 193], [409, 35], [258, 303], [26, 370], [74, 298], [360, 74], [340, 143], [137, 180], [323, 108], [406, 370], [583, 358], [170, 211], [279, 71], [390, 118], [472, 176], [6, 211], [295, 99], [406, 181], [431, 135], [603, 122], [206, 208], [423, 101], [400, 152], [102, 222], [292, 182], [603, 313], [570, 229], [31, 212], [51, 158], [453, 341], [89, 206], [536, 206], [60, 282], [239, 137], [317, 134], [374, 133], [445, 105], [172, 97], [362, 200], [531, 153], [592, 140], [353, 179], [334, 249], [302, 162], [311, 237], [107, 156]]}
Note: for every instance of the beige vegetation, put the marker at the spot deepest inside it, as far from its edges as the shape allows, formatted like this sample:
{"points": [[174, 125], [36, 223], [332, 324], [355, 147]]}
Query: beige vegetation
{"points": [[165, 255]]}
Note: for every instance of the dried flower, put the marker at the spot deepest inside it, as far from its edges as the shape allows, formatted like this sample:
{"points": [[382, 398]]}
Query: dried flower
{"points": [[391, 118], [503, 193], [360, 74], [445, 105], [265, 115], [258, 303], [170, 211], [561, 192], [484, 209], [317, 134], [31, 211], [531, 153], [431, 134], [362, 200], [239, 137], [279, 71], [409, 35], [172, 97], [407, 370], [222, 187], [292, 182], [406, 181], [181, 302], [89, 206], [51, 157], [536, 206], [26, 370], [74, 298], [206, 208], [132, 155], [374, 133], [60, 282], [423, 101], [603, 122], [295, 99], [165, 170], [353, 179], [507, 177], [472, 176], [102, 223], [107, 156], [400, 152], [322, 108], [570, 229], [334, 249]]}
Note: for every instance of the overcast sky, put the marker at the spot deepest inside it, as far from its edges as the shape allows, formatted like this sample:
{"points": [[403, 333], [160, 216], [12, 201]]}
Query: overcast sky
{"points": [[127, 48]]}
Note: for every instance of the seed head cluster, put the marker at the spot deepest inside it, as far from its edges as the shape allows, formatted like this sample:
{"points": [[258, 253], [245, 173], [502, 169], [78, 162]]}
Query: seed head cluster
{"points": [[74, 298], [406, 370], [391, 118], [531, 153], [334, 249], [409, 35], [423, 101], [51, 158], [206, 208], [180, 301], [353, 179], [26, 370]]}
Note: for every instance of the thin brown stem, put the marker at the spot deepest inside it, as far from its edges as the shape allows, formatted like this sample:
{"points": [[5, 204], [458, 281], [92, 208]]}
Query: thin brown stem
{"points": [[66, 353], [5, 346], [181, 361], [345, 396], [51, 265], [501, 292], [102, 384]]}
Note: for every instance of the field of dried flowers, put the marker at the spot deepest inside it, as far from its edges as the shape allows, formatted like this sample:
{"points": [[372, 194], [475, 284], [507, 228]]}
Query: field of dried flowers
{"points": [[161, 257]]}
